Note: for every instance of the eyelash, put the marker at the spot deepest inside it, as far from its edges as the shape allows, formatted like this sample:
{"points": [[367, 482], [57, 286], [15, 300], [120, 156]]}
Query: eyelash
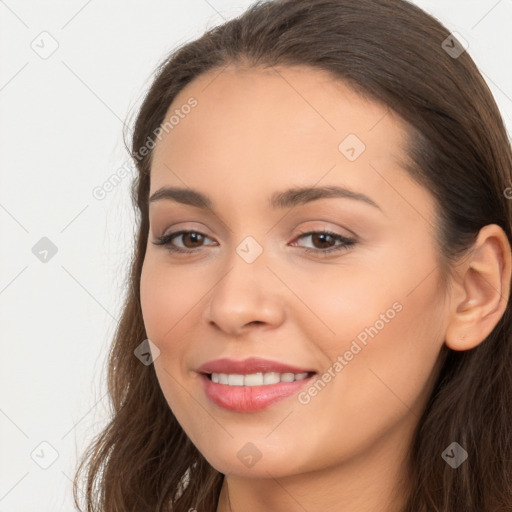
{"points": [[346, 243]]}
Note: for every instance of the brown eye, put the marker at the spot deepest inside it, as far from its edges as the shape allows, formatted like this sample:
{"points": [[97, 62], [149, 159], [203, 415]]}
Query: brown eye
{"points": [[193, 237], [324, 242], [191, 240], [323, 239]]}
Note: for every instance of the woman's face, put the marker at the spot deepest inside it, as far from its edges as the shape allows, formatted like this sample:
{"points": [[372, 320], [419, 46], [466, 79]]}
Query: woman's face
{"points": [[259, 281]]}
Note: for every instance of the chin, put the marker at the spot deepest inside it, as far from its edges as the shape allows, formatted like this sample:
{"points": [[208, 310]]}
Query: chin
{"points": [[248, 462]]}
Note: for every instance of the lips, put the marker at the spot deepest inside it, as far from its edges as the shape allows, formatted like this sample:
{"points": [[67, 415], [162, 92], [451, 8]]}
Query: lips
{"points": [[250, 398], [249, 366]]}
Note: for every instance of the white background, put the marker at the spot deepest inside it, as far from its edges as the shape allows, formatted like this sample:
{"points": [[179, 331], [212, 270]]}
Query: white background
{"points": [[61, 124]]}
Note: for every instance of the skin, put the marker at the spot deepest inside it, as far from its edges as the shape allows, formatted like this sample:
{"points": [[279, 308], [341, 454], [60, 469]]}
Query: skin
{"points": [[255, 132]]}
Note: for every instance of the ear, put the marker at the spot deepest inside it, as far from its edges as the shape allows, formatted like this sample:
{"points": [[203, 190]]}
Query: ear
{"points": [[480, 295]]}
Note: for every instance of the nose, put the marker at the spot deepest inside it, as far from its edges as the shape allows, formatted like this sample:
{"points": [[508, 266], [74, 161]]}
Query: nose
{"points": [[246, 297]]}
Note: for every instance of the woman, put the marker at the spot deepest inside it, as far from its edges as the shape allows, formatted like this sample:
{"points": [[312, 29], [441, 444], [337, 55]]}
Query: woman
{"points": [[318, 316]]}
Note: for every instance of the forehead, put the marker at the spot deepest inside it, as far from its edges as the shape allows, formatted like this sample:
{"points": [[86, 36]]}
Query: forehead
{"points": [[257, 130], [269, 107]]}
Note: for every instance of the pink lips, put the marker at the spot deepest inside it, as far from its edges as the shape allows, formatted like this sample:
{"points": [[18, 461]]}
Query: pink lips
{"points": [[249, 398]]}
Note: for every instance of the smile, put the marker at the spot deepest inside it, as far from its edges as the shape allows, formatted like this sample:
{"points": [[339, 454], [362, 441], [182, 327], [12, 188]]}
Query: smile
{"points": [[252, 392], [256, 379]]}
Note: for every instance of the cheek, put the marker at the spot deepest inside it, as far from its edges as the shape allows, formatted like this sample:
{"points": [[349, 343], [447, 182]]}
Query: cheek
{"points": [[341, 303], [387, 325], [171, 303], [167, 305], [388, 363], [166, 309], [399, 331], [168, 297]]}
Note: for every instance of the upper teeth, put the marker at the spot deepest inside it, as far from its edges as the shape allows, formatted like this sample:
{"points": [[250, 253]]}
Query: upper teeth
{"points": [[256, 379]]}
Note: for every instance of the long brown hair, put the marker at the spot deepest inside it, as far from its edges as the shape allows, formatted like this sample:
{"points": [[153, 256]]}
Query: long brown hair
{"points": [[396, 54]]}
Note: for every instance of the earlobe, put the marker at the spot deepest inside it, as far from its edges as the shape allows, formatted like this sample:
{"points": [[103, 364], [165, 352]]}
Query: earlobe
{"points": [[481, 294]]}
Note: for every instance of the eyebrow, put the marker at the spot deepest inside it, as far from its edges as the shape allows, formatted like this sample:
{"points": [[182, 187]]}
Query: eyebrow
{"points": [[286, 199]]}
